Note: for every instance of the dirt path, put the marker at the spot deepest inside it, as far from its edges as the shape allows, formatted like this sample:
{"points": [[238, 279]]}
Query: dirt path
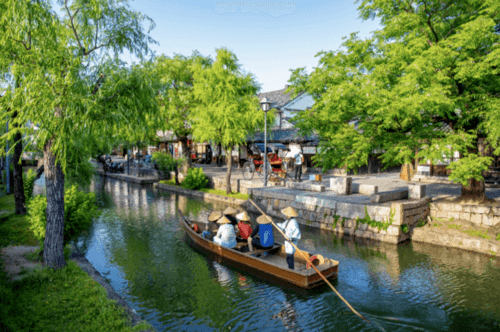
{"points": [[16, 264]]}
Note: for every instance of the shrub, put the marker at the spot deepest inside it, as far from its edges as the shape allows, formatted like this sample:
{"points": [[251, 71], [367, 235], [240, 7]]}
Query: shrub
{"points": [[79, 211], [28, 183], [164, 161], [404, 228], [195, 179]]}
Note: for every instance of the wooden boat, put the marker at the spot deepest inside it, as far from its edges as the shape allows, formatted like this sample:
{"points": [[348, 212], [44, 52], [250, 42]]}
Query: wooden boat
{"points": [[274, 264]]}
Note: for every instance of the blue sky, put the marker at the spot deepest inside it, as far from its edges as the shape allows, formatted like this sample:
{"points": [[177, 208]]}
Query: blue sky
{"points": [[268, 37]]}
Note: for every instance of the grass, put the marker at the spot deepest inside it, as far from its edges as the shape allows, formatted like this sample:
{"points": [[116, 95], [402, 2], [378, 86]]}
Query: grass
{"points": [[473, 232], [223, 193], [210, 191], [454, 226], [46, 300]]}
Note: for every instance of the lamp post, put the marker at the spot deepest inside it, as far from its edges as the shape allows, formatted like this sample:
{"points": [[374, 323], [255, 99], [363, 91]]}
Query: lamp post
{"points": [[7, 161], [265, 107]]}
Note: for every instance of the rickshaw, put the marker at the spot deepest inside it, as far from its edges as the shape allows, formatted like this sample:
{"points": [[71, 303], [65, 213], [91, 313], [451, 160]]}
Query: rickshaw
{"points": [[276, 167]]}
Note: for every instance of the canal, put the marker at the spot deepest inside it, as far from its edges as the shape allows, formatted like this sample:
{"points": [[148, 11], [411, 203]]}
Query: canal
{"points": [[139, 247]]}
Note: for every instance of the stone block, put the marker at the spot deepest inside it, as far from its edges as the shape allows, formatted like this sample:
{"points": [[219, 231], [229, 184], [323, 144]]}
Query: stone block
{"points": [[348, 231], [284, 204], [373, 229], [306, 186], [341, 185], [393, 230], [487, 220], [434, 206], [297, 205], [495, 211], [329, 220], [378, 213], [397, 208], [359, 233], [496, 220], [416, 191], [363, 226], [464, 216], [454, 215], [276, 203], [310, 207], [434, 214], [350, 223], [368, 189], [389, 196], [476, 218], [442, 215], [351, 211], [476, 209]]}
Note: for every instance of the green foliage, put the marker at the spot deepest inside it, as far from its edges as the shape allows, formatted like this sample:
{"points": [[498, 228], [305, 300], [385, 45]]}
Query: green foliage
{"points": [[79, 212], [14, 228], [374, 223], [65, 300], [29, 183], [195, 179], [454, 226], [404, 228], [426, 81], [474, 232], [498, 237], [223, 193], [165, 161], [420, 223]]}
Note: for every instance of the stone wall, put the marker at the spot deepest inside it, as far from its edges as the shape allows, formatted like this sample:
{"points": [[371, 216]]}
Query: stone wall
{"points": [[486, 216], [346, 218]]}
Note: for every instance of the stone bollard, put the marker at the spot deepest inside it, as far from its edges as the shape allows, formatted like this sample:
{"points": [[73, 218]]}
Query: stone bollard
{"points": [[416, 191], [341, 185]]}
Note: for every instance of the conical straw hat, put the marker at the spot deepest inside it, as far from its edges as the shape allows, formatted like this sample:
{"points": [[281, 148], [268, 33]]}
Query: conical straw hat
{"points": [[290, 212], [263, 220], [215, 216], [230, 211], [223, 220], [243, 216]]}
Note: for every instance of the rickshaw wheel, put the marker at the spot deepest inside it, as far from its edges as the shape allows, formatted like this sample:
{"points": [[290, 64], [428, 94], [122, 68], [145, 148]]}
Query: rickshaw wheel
{"points": [[260, 171], [248, 170]]}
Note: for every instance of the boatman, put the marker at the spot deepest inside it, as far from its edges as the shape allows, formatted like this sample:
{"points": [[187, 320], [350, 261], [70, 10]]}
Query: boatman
{"points": [[292, 231]]}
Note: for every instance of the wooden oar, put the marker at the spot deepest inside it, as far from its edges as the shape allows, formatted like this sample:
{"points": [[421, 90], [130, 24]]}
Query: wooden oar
{"points": [[307, 259]]}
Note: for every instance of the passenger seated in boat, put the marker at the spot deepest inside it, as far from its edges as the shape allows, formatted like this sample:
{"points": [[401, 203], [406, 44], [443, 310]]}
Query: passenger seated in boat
{"points": [[230, 213], [243, 229], [264, 230], [225, 235], [292, 231]]}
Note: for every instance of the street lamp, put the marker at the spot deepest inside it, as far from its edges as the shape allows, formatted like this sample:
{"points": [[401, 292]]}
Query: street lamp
{"points": [[265, 107]]}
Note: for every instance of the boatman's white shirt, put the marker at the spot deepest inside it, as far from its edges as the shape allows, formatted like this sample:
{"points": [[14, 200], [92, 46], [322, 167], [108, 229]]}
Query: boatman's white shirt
{"points": [[292, 231]]}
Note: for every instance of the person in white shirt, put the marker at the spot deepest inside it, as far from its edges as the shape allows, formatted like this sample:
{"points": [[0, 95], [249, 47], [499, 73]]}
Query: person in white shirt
{"points": [[292, 231], [298, 165], [225, 235]]}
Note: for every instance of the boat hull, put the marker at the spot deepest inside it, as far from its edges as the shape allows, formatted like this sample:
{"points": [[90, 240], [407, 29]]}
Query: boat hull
{"points": [[306, 278]]}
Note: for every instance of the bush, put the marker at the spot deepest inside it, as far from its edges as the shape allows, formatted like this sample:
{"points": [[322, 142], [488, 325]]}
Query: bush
{"points": [[195, 179], [79, 211], [28, 183], [164, 161]]}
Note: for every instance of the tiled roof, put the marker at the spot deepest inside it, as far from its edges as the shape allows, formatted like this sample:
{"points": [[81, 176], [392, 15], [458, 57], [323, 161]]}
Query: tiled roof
{"points": [[277, 98], [284, 136]]}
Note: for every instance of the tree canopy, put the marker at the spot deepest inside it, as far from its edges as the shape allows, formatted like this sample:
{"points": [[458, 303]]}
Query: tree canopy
{"points": [[228, 108], [73, 84], [428, 80]]}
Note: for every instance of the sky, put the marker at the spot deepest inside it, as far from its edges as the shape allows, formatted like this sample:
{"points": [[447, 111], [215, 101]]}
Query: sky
{"points": [[268, 37]]}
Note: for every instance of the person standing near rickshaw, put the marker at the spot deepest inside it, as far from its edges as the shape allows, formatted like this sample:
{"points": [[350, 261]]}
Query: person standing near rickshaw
{"points": [[298, 165]]}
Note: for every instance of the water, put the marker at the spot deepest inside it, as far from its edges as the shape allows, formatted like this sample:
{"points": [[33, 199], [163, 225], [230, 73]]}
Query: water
{"points": [[139, 246]]}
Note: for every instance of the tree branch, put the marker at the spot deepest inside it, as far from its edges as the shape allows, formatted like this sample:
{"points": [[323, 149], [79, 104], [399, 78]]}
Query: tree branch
{"points": [[429, 22], [73, 25]]}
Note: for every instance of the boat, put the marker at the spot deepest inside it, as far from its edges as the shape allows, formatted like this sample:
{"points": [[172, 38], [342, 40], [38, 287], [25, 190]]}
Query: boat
{"points": [[273, 264]]}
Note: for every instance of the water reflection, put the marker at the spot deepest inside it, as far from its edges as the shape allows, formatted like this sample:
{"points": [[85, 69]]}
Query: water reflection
{"points": [[140, 247]]}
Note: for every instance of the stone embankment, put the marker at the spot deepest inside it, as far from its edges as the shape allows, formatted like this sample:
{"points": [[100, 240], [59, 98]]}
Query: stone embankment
{"points": [[200, 194], [391, 224]]}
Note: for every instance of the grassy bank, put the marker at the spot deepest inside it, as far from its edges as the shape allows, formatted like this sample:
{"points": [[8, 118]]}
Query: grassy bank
{"points": [[210, 191], [46, 300]]}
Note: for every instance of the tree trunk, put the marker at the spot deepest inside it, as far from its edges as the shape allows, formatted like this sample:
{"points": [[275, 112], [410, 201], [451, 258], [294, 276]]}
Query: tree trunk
{"points": [[187, 155], [176, 170], [18, 175], [53, 249], [228, 174]]}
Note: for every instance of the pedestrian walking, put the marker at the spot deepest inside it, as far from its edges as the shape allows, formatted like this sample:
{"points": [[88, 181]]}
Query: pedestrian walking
{"points": [[298, 165]]}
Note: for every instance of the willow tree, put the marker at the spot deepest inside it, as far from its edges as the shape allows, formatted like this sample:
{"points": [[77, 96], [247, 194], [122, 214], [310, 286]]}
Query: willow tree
{"points": [[429, 80], [58, 57], [176, 96], [228, 108]]}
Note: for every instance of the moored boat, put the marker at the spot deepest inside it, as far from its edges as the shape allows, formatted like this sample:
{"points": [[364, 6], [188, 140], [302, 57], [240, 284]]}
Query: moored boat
{"points": [[274, 264]]}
